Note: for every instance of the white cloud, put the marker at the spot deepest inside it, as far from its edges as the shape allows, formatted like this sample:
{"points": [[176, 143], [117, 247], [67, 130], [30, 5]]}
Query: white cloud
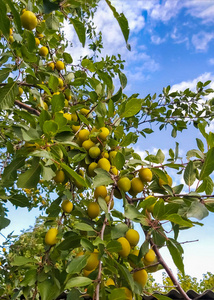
{"points": [[157, 40], [202, 39], [170, 8], [211, 61], [191, 84]]}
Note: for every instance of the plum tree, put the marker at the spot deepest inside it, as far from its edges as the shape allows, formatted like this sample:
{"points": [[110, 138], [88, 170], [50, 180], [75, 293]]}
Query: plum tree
{"points": [[66, 134]]}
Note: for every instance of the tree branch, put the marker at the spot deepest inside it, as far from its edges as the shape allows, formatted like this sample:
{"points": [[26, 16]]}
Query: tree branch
{"points": [[27, 107], [97, 290], [165, 266]]}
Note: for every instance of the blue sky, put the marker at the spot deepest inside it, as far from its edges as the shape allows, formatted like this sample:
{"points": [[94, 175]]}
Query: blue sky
{"points": [[172, 44]]}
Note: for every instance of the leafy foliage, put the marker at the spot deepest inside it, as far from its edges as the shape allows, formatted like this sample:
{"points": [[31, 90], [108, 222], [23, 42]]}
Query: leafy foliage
{"points": [[66, 134]]}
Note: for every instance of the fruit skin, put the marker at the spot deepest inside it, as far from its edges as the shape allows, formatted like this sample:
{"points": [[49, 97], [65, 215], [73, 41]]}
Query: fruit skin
{"points": [[100, 191], [124, 184], [137, 185], [125, 247], [109, 281], [91, 168], [43, 51], [145, 174], [4, 249], [51, 65], [133, 237], [141, 277], [60, 176], [28, 20], [94, 152], [104, 133], [37, 41], [112, 155], [75, 128], [67, 116], [93, 210], [67, 206], [104, 164], [20, 91], [152, 268], [50, 237], [83, 135], [162, 182], [61, 83], [114, 170], [150, 256], [60, 65], [92, 261], [11, 39], [128, 293], [84, 111], [87, 144], [87, 273]]}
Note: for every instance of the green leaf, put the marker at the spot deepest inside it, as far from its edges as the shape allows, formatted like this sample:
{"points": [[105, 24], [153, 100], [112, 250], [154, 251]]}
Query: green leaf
{"points": [[123, 80], [21, 261], [83, 227], [87, 245], [78, 282], [106, 78], [49, 289], [80, 30], [4, 222], [47, 173], [50, 127], [44, 116], [126, 274], [117, 294], [200, 145], [4, 20], [118, 231], [67, 58], [102, 178], [48, 6], [4, 73], [74, 175], [57, 102], [19, 200], [160, 174], [103, 204], [132, 107], [16, 15], [160, 156], [53, 83], [131, 212], [30, 41], [190, 174], [10, 172], [71, 241], [113, 246], [179, 220], [208, 165], [176, 255], [30, 178], [119, 160], [77, 264], [52, 22], [197, 210], [8, 94], [122, 21]]}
